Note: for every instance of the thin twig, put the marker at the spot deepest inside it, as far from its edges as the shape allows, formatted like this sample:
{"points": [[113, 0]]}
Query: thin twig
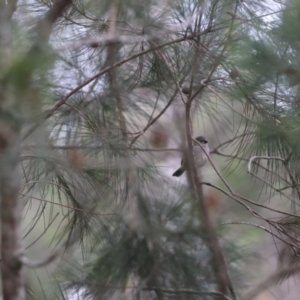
{"points": [[187, 291], [219, 264], [46, 229], [260, 227], [238, 196], [274, 278], [217, 152], [82, 115], [230, 140]]}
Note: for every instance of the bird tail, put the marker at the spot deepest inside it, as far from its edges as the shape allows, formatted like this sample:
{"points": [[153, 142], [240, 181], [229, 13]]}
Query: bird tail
{"points": [[179, 172]]}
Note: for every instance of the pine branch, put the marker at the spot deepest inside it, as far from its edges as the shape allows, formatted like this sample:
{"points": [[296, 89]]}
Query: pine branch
{"points": [[62, 101], [219, 264]]}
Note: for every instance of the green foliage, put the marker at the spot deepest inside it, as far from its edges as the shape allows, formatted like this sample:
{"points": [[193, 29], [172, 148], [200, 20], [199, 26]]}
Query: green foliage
{"points": [[165, 251]]}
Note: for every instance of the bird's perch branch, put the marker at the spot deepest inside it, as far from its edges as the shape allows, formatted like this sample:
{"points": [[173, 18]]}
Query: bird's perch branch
{"points": [[219, 264]]}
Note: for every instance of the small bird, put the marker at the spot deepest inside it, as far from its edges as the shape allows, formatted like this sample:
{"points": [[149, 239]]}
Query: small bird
{"points": [[234, 73], [199, 156], [185, 90]]}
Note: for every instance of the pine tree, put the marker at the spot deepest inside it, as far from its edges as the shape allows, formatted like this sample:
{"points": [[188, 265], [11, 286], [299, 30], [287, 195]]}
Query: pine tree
{"points": [[100, 100]]}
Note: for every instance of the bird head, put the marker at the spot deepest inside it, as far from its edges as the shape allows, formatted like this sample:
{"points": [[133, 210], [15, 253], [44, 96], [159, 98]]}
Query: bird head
{"points": [[201, 139]]}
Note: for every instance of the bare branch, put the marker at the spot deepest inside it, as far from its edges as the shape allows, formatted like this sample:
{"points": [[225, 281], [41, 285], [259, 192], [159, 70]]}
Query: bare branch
{"points": [[155, 119], [72, 208], [187, 291], [241, 197], [219, 264], [45, 230], [261, 157]]}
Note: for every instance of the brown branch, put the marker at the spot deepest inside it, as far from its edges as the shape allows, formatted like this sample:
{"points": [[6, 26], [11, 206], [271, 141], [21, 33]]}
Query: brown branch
{"points": [[12, 271], [238, 196], [252, 202], [217, 152], [259, 227], [218, 261], [234, 196], [256, 215]]}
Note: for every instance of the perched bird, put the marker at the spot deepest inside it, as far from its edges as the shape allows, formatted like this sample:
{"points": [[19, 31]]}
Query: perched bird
{"points": [[199, 156], [185, 90], [234, 73]]}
